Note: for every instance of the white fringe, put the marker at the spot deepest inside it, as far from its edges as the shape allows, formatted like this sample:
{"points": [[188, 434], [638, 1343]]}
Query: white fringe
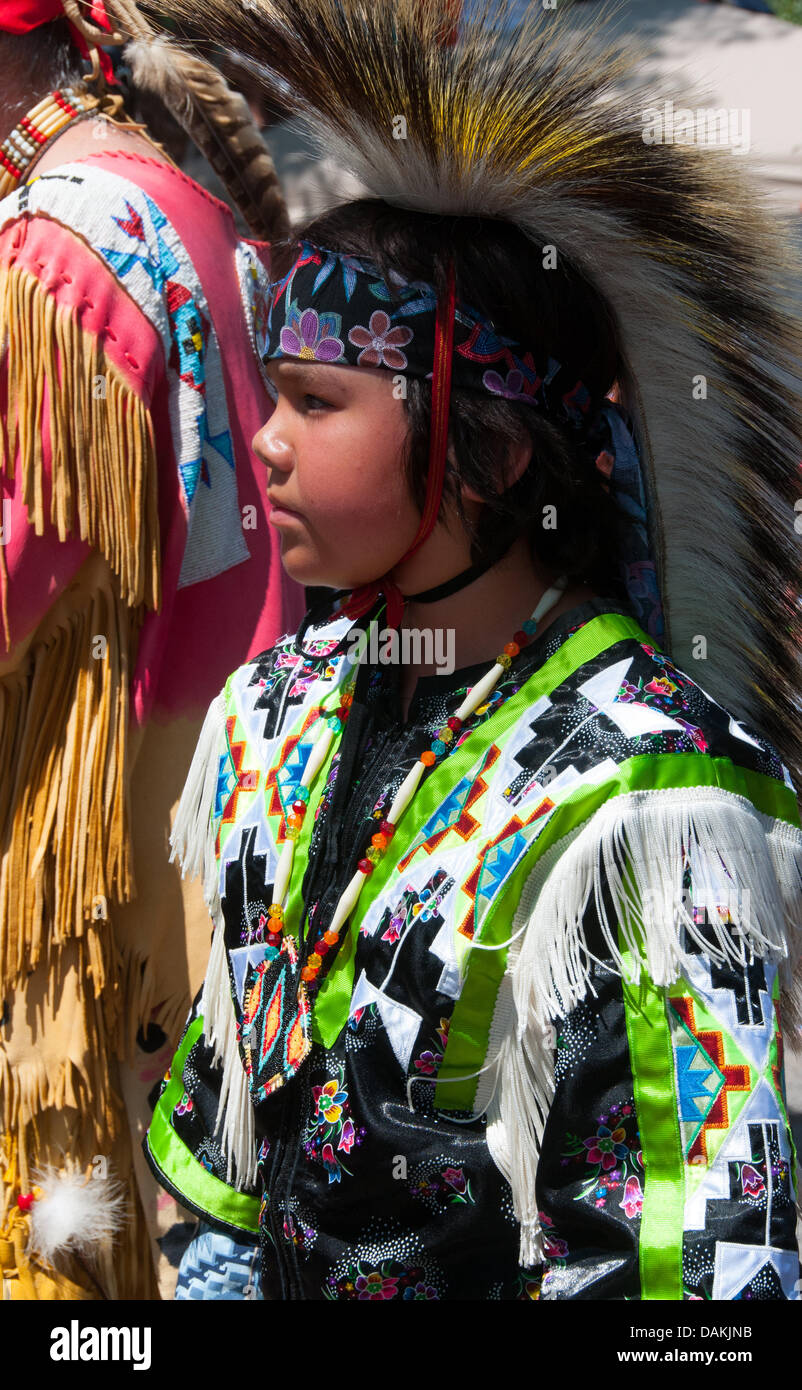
{"points": [[235, 1119], [640, 844], [192, 842], [192, 837]]}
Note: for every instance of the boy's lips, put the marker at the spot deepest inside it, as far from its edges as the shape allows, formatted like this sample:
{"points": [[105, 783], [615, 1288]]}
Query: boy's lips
{"points": [[279, 508]]}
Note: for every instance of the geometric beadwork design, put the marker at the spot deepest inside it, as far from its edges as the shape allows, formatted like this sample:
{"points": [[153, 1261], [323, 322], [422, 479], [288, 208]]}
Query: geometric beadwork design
{"points": [[709, 1078]]}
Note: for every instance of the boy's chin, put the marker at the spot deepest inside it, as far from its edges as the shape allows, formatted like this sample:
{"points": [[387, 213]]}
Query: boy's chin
{"points": [[304, 571]]}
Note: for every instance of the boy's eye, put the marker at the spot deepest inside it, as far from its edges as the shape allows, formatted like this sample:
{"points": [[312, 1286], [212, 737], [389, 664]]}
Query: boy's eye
{"points": [[310, 402]]}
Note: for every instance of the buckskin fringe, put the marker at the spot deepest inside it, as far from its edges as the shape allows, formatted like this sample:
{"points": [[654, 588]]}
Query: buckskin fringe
{"points": [[641, 844], [102, 446], [65, 848]]}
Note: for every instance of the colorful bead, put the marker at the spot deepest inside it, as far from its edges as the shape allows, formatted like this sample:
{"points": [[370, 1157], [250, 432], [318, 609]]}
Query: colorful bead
{"points": [[427, 758], [512, 649], [334, 724], [299, 809], [445, 735], [347, 699], [293, 831], [504, 660], [315, 961], [387, 828], [520, 637], [438, 747], [530, 627], [25, 1201], [302, 792], [331, 938], [379, 841], [308, 973], [321, 947], [373, 854], [295, 821], [455, 723], [365, 866]]}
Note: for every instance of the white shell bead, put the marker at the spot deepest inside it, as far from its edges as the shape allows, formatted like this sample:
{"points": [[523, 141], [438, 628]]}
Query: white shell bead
{"points": [[405, 792], [480, 692], [347, 902], [283, 871], [317, 757]]}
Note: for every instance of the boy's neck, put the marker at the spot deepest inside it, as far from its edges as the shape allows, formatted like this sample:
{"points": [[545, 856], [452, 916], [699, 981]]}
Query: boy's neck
{"points": [[476, 622]]}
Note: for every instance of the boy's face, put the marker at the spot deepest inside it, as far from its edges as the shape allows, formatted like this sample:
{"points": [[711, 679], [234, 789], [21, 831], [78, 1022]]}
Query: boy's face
{"points": [[333, 448]]}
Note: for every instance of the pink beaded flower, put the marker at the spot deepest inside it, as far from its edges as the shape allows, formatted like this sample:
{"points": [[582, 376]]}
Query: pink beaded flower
{"points": [[380, 343]]}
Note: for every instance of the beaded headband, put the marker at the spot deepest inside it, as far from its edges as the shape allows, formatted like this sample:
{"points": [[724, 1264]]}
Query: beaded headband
{"points": [[332, 308]]}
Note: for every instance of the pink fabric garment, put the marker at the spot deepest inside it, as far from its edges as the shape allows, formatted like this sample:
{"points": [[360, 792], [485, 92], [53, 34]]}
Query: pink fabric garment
{"points": [[205, 630]]}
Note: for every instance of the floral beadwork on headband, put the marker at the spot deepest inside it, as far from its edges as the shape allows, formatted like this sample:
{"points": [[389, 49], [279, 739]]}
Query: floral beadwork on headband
{"points": [[338, 309]]}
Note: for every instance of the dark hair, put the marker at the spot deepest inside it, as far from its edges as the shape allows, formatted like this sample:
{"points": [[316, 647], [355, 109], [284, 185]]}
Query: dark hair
{"points": [[44, 59], [553, 313]]}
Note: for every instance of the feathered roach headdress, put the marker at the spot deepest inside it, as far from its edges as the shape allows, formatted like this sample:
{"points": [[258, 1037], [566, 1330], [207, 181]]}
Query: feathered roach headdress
{"points": [[519, 121]]}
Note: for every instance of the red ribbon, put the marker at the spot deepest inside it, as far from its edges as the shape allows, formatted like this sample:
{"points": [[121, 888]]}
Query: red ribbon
{"points": [[21, 16], [363, 598]]}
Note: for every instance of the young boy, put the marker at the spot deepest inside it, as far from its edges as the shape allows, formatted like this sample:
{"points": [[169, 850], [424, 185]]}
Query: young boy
{"points": [[491, 1004]]}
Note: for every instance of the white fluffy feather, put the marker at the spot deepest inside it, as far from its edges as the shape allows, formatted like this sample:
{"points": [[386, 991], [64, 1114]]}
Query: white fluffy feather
{"points": [[73, 1214]]}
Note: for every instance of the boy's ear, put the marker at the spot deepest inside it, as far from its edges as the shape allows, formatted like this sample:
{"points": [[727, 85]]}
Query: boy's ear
{"points": [[518, 460]]}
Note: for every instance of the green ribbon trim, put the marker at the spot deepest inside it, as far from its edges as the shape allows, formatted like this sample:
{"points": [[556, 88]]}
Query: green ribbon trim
{"points": [[652, 1062], [469, 1034], [206, 1193], [331, 1007]]}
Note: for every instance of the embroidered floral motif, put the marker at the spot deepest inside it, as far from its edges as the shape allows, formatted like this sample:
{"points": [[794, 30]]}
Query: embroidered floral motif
{"points": [[185, 1105], [380, 343], [632, 1203], [311, 335], [421, 1292], [378, 1284], [554, 1247], [513, 386], [614, 1156], [331, 1130], [441, 1187]]}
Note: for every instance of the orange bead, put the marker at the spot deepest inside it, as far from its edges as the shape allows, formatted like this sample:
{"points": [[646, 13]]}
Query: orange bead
{"points": [[331, 938], [379, 841], [308, 973], [427, 758], [315, 961], [512, 649]]}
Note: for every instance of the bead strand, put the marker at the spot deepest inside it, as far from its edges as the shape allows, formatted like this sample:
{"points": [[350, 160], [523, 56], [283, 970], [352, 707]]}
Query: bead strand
{"points": [[40, 125], [440, 746]]}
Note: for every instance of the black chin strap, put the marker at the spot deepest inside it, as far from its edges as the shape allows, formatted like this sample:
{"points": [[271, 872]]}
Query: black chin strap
{"points": [[451, 586]]}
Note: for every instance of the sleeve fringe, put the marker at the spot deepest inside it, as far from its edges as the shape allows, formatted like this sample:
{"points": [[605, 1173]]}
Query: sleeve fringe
{"points": [[102, 447], [633, 855]]}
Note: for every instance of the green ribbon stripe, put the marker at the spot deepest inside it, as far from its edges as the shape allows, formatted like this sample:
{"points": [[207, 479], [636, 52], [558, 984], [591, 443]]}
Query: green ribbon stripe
{"points": [[171, 1156], [331, 1006], [469, 1033], [652, 1063]]}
